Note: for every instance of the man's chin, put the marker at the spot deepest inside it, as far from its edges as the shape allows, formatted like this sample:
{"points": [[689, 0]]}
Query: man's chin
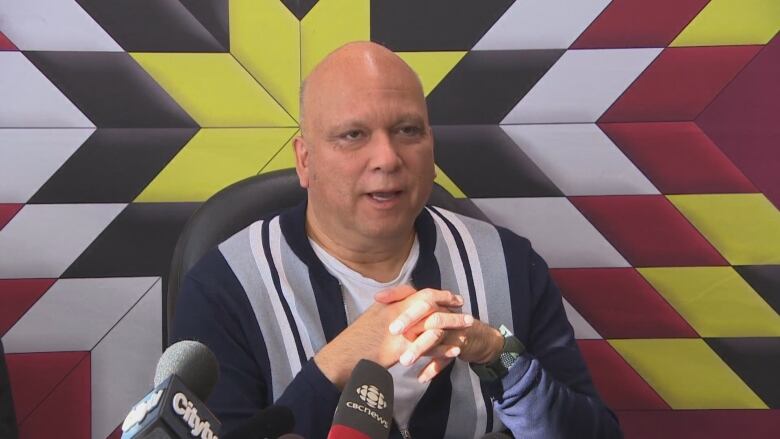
{"points": [[387, 229]]}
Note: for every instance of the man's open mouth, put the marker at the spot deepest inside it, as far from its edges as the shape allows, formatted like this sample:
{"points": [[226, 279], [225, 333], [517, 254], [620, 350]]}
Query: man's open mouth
{"points": [[384, 196]]}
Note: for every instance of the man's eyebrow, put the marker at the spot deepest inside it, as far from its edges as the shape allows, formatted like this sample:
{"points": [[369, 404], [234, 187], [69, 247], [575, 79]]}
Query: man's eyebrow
{"points": [[410, 117], [346, 125], [349, 124]]}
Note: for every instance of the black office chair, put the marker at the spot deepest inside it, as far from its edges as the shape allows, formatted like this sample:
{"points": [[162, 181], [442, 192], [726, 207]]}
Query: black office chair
{"points": [[8, 428], [242, 203]]}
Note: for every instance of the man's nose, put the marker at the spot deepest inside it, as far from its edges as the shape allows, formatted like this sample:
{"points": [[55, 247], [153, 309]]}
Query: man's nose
{"points": [[384, 153]]}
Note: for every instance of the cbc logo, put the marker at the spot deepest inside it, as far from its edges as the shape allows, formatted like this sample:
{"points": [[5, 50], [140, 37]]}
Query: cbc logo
{"points": [[372, 396]]}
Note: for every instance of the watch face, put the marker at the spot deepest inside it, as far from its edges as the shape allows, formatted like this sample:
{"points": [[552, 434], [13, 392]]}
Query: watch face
{"points": [[508, 359], [505, 332]]}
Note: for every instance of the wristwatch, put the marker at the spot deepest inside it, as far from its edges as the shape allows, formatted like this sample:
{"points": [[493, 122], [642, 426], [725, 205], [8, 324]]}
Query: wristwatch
{"points": [[499, 367]]}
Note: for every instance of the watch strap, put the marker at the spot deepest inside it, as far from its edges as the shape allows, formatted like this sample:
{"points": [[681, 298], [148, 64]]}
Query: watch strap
{"points": [[499, 368]]}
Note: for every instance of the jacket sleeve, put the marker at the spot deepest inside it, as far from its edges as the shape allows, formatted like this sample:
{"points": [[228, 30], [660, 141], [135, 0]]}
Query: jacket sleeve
{"points": [[212, 308], [548, 393]]}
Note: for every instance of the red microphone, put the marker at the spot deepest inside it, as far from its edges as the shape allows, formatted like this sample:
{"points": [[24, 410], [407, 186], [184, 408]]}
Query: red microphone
{"points": [[365, 409]]}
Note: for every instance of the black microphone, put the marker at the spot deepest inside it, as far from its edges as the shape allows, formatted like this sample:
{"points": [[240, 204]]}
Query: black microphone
{"points": [[185, 376], [271, 422], [365, 409]]}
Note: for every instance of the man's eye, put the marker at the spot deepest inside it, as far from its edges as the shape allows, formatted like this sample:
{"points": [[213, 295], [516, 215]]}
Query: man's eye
{"points": [[352, 135], [410, 130]]}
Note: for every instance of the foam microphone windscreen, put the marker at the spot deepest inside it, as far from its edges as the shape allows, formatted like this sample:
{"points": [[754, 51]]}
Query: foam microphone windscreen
{"points": [[194, 364], [365, 409], [186, 374]]}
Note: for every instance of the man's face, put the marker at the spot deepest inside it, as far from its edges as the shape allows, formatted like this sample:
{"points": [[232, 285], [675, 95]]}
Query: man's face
{"points": [[366, 155]]}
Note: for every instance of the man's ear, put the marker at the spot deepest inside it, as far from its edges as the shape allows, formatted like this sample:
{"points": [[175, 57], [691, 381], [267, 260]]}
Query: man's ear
{"points": [[301, 161]]}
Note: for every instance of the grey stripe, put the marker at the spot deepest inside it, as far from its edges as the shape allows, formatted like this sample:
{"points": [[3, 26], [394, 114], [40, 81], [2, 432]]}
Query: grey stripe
{"points": [[491, 259], [298, 277], [300, 332], [238, 254], [461, 421], [490, 252]]}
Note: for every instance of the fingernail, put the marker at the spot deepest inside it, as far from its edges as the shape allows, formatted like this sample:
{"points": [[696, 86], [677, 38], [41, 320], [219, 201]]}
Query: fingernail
{"points": [[459, 299], [406, 358], [422, 379], [468, 319], [395, 327], [454, 352]]}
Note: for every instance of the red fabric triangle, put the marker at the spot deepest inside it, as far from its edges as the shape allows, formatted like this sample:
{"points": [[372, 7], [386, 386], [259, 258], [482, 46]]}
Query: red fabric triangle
{"points": [[5, 43], [7, 211], [17, 296], [35, 376], [65, 412]]}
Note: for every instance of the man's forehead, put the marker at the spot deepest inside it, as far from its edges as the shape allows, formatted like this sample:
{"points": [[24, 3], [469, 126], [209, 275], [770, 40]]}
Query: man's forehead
{"points": [[354, 70], [361, 65]]}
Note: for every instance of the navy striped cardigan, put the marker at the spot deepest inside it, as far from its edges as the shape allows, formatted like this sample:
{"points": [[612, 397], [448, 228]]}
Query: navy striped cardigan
{"points": [[265, 304]]}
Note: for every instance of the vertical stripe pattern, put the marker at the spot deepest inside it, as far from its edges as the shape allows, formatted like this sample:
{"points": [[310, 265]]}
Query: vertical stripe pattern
{"points": [[277, 283], [272, 298], [456, 410], [296, 275], [241, 253], [286, 291], [277, 289], [461, 420], [484, 248]]}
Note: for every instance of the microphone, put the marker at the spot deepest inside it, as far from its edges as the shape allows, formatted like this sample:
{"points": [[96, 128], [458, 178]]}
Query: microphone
{"points": [[185, 376], [271, 422], [365, 409]]}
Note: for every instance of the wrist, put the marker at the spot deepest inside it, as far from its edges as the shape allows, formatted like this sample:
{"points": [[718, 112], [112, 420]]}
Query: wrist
{"points": [[334, 369], [510, 351], [494, 346]]}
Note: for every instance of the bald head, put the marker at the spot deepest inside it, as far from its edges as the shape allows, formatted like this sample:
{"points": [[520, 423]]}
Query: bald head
{"points": [[353, 65], [365, 151]]}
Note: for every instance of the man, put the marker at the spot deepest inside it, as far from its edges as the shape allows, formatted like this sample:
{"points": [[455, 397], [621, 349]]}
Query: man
{"points": [[364, 270]]}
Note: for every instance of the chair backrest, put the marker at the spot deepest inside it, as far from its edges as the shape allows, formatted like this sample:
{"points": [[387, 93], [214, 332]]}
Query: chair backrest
{"points": [[242, 203]]}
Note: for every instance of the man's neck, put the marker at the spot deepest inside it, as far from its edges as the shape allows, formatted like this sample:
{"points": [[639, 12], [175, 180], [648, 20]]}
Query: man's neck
{"points": [[378, 259]]}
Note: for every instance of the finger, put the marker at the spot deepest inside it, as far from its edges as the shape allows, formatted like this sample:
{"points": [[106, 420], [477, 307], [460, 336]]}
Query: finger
{"points": [[433, 368], [396, 294], [416, 310], [422, 344], [422, 305], [444, 320], [443, 351], [443, 297]]}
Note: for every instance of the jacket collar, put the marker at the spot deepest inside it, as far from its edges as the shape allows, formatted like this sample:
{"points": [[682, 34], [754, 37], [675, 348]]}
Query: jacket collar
{"points": [[424, 275]]}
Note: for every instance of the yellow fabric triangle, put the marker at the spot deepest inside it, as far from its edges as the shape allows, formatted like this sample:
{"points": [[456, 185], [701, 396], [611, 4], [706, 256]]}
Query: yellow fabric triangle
{"points": [[214, 89], [687, 374], [214, 159], [431, 67], [731, 22], [745, 228], [284, 158], [447, 183], [715, 301], [265, 38], [329, 25]]}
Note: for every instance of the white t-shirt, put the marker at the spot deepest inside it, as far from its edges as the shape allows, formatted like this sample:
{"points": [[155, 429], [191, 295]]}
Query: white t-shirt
{"points": [[358, 292]]}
